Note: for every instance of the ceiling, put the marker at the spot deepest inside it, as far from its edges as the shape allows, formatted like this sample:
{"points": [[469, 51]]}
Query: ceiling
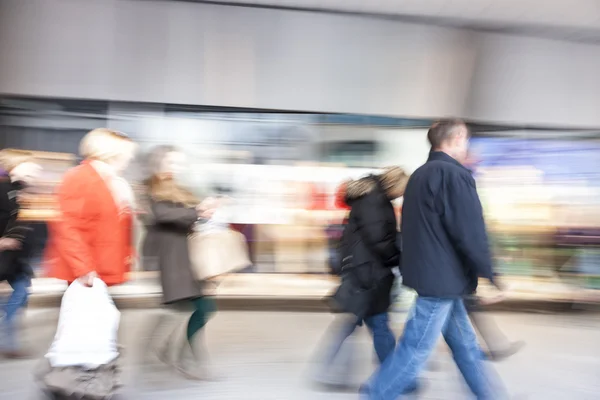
{"points": [[565, 19]]}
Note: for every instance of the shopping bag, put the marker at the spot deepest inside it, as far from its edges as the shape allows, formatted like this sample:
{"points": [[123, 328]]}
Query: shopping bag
{"points": [[87, 328], [218, 252]]}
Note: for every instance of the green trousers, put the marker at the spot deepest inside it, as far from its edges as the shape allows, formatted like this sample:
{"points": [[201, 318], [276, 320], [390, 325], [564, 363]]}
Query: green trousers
{"points": [[204, 308]]}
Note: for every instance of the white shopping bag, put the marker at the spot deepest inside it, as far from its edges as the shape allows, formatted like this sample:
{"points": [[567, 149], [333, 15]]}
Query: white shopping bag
{"points": [[87, 328]]}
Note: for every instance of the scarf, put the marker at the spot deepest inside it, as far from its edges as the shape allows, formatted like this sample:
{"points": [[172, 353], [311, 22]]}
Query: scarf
{"points": [[119, 187]]}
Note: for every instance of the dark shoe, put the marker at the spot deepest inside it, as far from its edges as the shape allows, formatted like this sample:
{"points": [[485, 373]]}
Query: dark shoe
{"points": [[513, 348], [334, 387], [414, 389], [15, 355], [434, 365]]}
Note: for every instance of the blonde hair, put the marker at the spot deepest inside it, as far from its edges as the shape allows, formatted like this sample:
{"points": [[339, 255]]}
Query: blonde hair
{"points": [[105, 145], [393, 181], [12, 158], [162, 188]]}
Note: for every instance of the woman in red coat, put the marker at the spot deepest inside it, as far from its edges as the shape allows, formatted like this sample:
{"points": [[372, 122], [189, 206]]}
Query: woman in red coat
{"points": [[92, 236]]}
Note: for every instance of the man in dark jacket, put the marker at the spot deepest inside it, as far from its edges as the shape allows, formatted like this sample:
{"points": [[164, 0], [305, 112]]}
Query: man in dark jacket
{"points": [[445, 251]]}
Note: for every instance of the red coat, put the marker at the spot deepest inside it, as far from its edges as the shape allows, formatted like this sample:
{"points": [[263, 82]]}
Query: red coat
{"points": [[90, 234]]}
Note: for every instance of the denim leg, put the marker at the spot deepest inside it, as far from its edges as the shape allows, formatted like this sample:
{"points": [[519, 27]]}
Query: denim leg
{"points": [[461, 339], [16, 301], [383, 338], [398, 373]]}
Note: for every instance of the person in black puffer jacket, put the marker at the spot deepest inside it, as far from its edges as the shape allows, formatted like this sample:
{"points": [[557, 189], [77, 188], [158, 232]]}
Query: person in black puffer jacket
{"points": [[15, 245], [369, 252]]}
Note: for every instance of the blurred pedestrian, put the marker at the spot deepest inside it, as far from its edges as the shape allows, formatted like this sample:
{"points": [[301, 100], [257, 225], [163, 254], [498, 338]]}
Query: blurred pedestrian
{"points": [[91, 239], [368, 253], [15, 245], [497, 344], [92, 236], [445, 251], [173, 212]]}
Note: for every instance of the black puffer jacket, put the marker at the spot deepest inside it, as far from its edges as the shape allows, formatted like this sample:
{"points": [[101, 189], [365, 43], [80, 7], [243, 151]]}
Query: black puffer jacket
{"points": [[13, 263], [370, 238]]}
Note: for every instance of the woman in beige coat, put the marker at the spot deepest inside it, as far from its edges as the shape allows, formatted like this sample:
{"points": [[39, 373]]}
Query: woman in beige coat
{"points": [[172, 213]]}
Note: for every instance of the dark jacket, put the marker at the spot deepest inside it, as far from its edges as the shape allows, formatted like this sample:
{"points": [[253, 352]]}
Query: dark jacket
{"points": [[445, 244], [168, 225], [13, 263], [370, 239]]}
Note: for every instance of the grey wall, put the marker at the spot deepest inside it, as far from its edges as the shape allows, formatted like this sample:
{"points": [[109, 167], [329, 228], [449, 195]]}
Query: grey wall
{"points": [[534, 81], [231, 56], [178, 52]]}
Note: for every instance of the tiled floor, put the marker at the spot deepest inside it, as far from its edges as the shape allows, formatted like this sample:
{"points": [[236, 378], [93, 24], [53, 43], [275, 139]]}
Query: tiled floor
{"points": [[269, 356]]}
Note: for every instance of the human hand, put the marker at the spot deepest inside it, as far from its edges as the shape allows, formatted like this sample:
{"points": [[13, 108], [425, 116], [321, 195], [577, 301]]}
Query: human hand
{"points": [[207, 208], [486, 301], [88, 279], [208, 203], [9, 244]]}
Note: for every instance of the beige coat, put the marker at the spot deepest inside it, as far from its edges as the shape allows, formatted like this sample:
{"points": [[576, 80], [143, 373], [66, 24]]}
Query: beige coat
{"points": [[168, 227]]}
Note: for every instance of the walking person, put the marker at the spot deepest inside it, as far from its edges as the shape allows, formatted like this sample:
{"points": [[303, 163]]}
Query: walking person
{"points": [[173, 211], [15, 245], [498, 346], [368, 253], [92, 237], [445, 251]]}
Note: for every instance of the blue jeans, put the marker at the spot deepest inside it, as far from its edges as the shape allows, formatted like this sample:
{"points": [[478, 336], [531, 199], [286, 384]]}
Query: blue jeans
{"points": [[430, 318], [16, 301], [383, 341]]}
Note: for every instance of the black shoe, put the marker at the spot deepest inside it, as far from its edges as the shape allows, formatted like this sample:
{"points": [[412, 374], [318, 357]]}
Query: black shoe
{"points": [[414, 389], [513, 348], [334, 387]]}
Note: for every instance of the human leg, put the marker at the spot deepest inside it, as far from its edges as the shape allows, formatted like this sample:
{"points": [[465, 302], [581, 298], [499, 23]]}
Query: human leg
{"points": [[335, 365], [16, 301], [204, 307], [460, 337], [498, 345], [399, 372], [383, 338], [189, 342]]}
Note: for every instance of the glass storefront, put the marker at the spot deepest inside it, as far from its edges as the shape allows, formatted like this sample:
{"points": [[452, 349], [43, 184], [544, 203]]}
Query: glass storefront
{"points": [[282, 170]]}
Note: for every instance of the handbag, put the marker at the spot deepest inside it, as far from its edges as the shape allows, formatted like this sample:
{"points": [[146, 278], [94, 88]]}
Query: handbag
{"points": [[218, 252]]}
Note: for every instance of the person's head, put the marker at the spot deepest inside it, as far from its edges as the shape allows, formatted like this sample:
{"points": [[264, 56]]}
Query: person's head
{"points": [[451, 137], [471, 160], [165, 162], [20, 165], [109, 146], [393, 181]]}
